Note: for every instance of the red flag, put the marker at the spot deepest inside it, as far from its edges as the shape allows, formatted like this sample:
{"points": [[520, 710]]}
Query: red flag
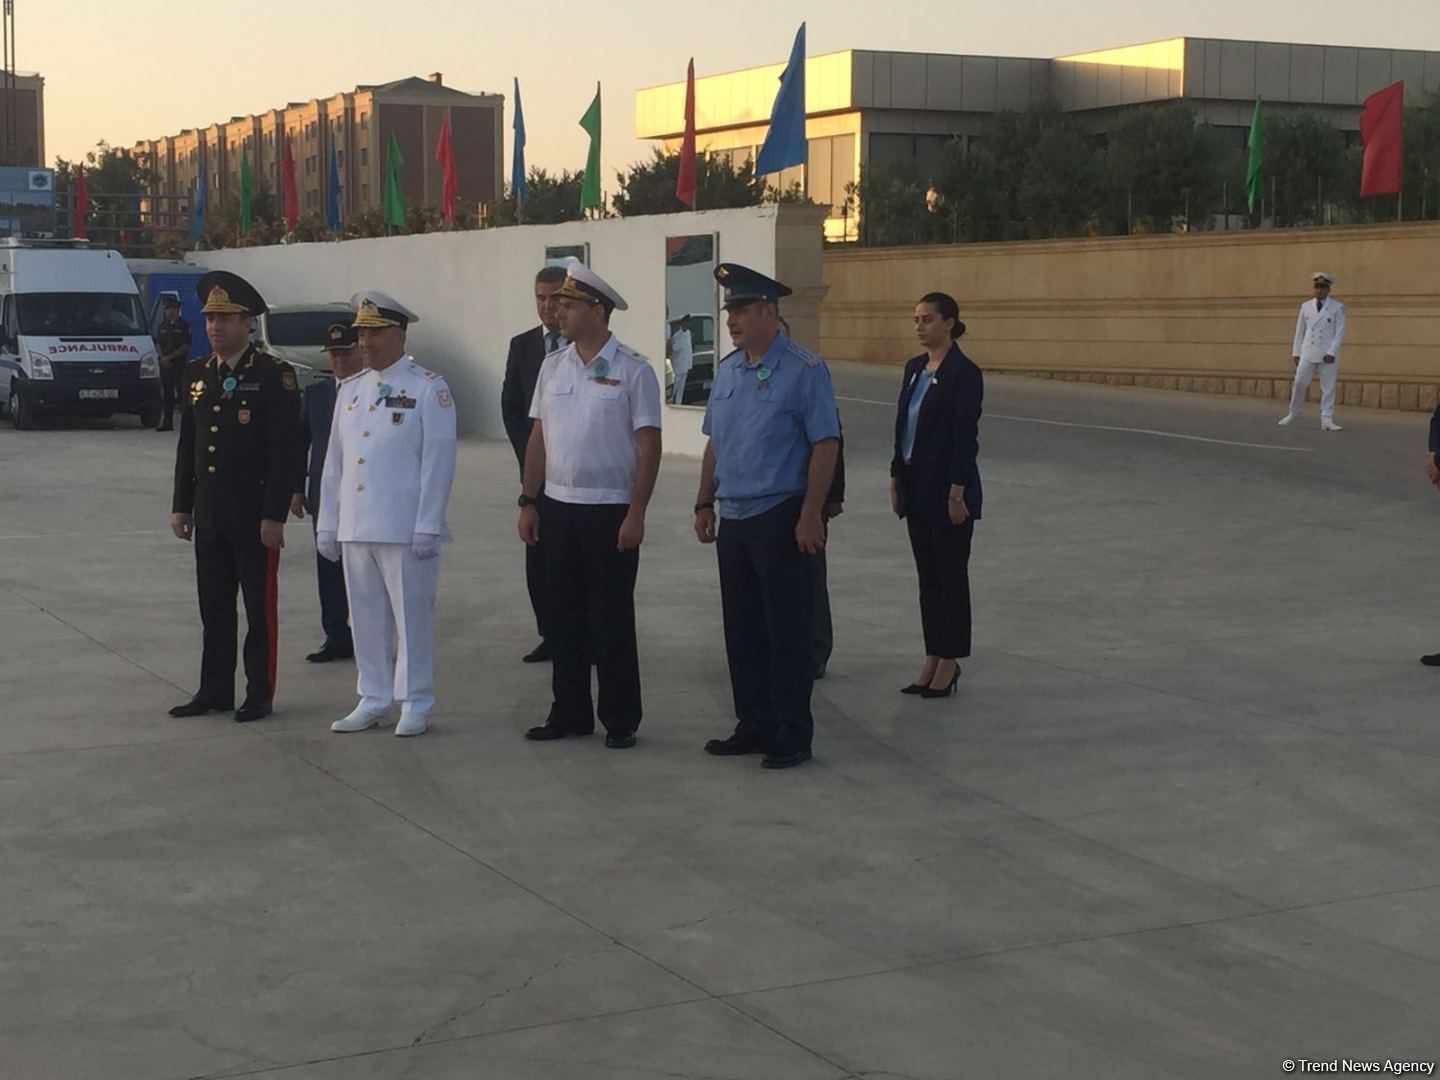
{"points": [[82, 204], [287, 186], [445, 155], [685, 182], [1381, 124]]}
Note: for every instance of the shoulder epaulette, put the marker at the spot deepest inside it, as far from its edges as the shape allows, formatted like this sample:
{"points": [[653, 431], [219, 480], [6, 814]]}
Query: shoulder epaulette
{"points": [[811, 360], [351, 378]]}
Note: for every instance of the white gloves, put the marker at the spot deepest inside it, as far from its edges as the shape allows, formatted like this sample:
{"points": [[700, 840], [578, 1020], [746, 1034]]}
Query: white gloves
{"points": [[425, 545], [328, 546]]}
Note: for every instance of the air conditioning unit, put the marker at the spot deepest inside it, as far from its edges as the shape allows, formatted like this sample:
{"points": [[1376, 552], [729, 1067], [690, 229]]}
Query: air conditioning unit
{"points": [[42, 180]]}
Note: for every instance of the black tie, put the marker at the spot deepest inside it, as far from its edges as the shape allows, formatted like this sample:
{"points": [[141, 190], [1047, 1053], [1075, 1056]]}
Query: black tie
{"points": [[552, 342], [1319, 303]]}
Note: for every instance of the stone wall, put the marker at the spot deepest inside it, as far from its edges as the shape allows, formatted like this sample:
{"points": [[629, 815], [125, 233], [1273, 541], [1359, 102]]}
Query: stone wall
{"points": [[1211, 313]]}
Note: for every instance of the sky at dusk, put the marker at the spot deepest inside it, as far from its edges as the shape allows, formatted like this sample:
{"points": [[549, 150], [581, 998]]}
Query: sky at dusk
{"points": [[143, 69]]}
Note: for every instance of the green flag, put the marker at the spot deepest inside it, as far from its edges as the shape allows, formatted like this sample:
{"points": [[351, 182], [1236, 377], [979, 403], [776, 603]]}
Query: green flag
{"points": [[590, 189], [394, 198], [247, 194], [1255, 170]]}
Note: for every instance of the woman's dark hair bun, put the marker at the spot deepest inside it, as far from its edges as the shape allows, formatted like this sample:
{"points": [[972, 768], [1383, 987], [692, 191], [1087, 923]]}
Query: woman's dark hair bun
{"points": [[946, 306]]}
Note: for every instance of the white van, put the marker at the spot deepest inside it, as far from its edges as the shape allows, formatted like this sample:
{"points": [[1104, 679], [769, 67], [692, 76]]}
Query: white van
{"points": [[73, 336]]}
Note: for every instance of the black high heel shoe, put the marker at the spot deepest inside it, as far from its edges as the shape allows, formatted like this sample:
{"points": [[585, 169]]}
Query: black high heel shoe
{"points": [[928, 692], [920, 688]]}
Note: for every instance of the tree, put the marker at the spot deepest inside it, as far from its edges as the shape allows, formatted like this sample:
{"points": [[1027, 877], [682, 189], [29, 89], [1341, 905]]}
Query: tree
{"points": [[116, 182], [1305, 156], [973, 199], [1421, 182], [1163, 167], [553, 199], [1059, 189], [648, 187], [893, 208]]}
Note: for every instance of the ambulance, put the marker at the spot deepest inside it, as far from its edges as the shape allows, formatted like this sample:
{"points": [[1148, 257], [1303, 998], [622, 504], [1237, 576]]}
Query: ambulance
{"points": [[73, 335]]}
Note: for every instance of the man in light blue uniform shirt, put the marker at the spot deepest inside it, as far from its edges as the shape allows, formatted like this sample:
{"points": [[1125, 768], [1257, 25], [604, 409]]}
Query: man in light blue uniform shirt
{"points": [[774, 434]]}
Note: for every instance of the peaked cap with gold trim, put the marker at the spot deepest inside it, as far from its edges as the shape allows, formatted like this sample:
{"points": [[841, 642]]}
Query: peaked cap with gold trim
{"points": [[374, 310], [224, 293]]}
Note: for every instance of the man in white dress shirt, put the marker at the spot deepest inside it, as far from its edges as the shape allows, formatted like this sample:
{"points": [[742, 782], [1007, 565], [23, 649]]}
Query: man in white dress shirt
{"points": [[388, 473], [682, 357], [1318, 333], [595, 452]]}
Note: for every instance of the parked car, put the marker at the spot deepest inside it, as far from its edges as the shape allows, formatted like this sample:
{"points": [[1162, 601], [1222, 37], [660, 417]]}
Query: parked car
{"points": [[296, 334]]}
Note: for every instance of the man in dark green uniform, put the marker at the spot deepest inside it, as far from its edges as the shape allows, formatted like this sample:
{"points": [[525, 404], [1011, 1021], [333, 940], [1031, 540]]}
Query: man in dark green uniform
{"points": [[172, 341], [234, 474]]}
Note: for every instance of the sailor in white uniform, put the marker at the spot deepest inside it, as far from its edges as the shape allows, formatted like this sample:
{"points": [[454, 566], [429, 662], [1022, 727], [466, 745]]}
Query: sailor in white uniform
{"points": [[1318, 332], [388, 473]]}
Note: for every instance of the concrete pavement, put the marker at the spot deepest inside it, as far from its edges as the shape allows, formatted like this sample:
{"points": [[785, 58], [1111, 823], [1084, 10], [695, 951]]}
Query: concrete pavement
{"points": [[1181, 821]]}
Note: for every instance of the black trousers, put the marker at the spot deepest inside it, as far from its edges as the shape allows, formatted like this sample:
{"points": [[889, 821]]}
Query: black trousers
{"points": [[767, 595], [591, 589], [537, 586], [824, 637], [942, 561], [230, 560], [170, 378], [334, 601]]}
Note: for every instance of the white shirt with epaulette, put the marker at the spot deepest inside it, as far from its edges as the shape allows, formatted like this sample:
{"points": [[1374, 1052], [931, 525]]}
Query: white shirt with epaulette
{"points": [[390, 463], [588, 415], [1319, 331]]}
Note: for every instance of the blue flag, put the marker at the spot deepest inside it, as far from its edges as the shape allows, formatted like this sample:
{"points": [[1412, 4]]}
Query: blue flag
{"points": [[197, 223], [785, 141], [519, 189], [332, 200]]}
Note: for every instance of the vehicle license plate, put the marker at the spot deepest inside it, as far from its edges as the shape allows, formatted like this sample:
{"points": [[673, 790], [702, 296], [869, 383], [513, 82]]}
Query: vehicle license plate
{"points": [[99, 393]]}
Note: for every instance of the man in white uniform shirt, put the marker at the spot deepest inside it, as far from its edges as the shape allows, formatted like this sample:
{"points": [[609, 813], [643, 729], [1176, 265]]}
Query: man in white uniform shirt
{"points": [[682, 357], [388, 473], [1318, 332], [595, 451]]}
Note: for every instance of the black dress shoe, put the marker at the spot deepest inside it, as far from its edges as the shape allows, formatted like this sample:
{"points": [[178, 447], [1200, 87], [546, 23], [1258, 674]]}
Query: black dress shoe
{"points": [[199, 706], [1431, 660], [330, 651], [620, 742], [548, 732], [734, 746], [944, 691], [165, 427], [914, 688], [785, 761], [819, 673], [537, 655], [251, 711]]}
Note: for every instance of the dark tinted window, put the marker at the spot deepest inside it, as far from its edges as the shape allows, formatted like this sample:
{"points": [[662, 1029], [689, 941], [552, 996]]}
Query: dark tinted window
{"points": [[298, 328], [80, 314]]}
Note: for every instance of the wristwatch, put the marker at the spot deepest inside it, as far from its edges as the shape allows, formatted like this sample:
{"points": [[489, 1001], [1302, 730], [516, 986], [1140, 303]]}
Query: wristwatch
{"points": [[527, 500]]}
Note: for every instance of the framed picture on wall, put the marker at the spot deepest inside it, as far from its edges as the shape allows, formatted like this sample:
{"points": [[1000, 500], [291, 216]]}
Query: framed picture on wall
{"points": [[564, 254]]}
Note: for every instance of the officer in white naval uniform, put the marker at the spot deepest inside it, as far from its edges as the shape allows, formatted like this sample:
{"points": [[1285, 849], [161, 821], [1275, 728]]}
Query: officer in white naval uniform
{"points": [[1318, 332], [388, 473]]}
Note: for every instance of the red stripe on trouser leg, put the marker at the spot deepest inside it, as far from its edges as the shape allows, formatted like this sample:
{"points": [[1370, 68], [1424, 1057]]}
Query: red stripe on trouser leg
{"points": [[272, 614]]}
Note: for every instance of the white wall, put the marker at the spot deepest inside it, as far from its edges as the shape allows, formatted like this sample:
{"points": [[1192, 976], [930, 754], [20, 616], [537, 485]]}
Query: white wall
{"points": [[474, 291]]}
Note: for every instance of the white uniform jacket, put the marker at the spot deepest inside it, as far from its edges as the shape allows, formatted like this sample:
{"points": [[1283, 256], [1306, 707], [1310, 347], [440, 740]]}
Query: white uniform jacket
{"points": [[391, 457], [1318, 331]]}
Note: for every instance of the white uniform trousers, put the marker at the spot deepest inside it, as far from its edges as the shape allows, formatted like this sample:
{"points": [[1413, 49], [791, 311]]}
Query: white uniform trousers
{"points": [[1304, 371], [392, 619]]}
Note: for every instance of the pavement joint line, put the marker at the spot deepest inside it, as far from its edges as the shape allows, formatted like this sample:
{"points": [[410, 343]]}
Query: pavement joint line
{"points": [[530, 891], [137, 744], [85, 535], [1110, 427], [90, 637], [1087, 939], [1242, 709], [734, 998]]}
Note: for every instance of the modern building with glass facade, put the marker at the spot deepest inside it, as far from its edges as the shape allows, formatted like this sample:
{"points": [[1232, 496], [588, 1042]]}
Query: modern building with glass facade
{"points": [[866, 107]]}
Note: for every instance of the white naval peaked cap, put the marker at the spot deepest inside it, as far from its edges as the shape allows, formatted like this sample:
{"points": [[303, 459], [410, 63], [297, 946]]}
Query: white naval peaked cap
{"points": [[374, 308], [1320, 276], [582, 283]]}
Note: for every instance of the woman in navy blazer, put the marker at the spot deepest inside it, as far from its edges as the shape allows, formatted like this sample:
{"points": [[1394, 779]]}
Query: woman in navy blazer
{"points": [[935, 485]]}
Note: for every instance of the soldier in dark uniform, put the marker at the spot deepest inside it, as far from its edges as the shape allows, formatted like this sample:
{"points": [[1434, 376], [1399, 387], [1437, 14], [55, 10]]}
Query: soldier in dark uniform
{"points": [[234, 475], [172, 341], [317, 411]]}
